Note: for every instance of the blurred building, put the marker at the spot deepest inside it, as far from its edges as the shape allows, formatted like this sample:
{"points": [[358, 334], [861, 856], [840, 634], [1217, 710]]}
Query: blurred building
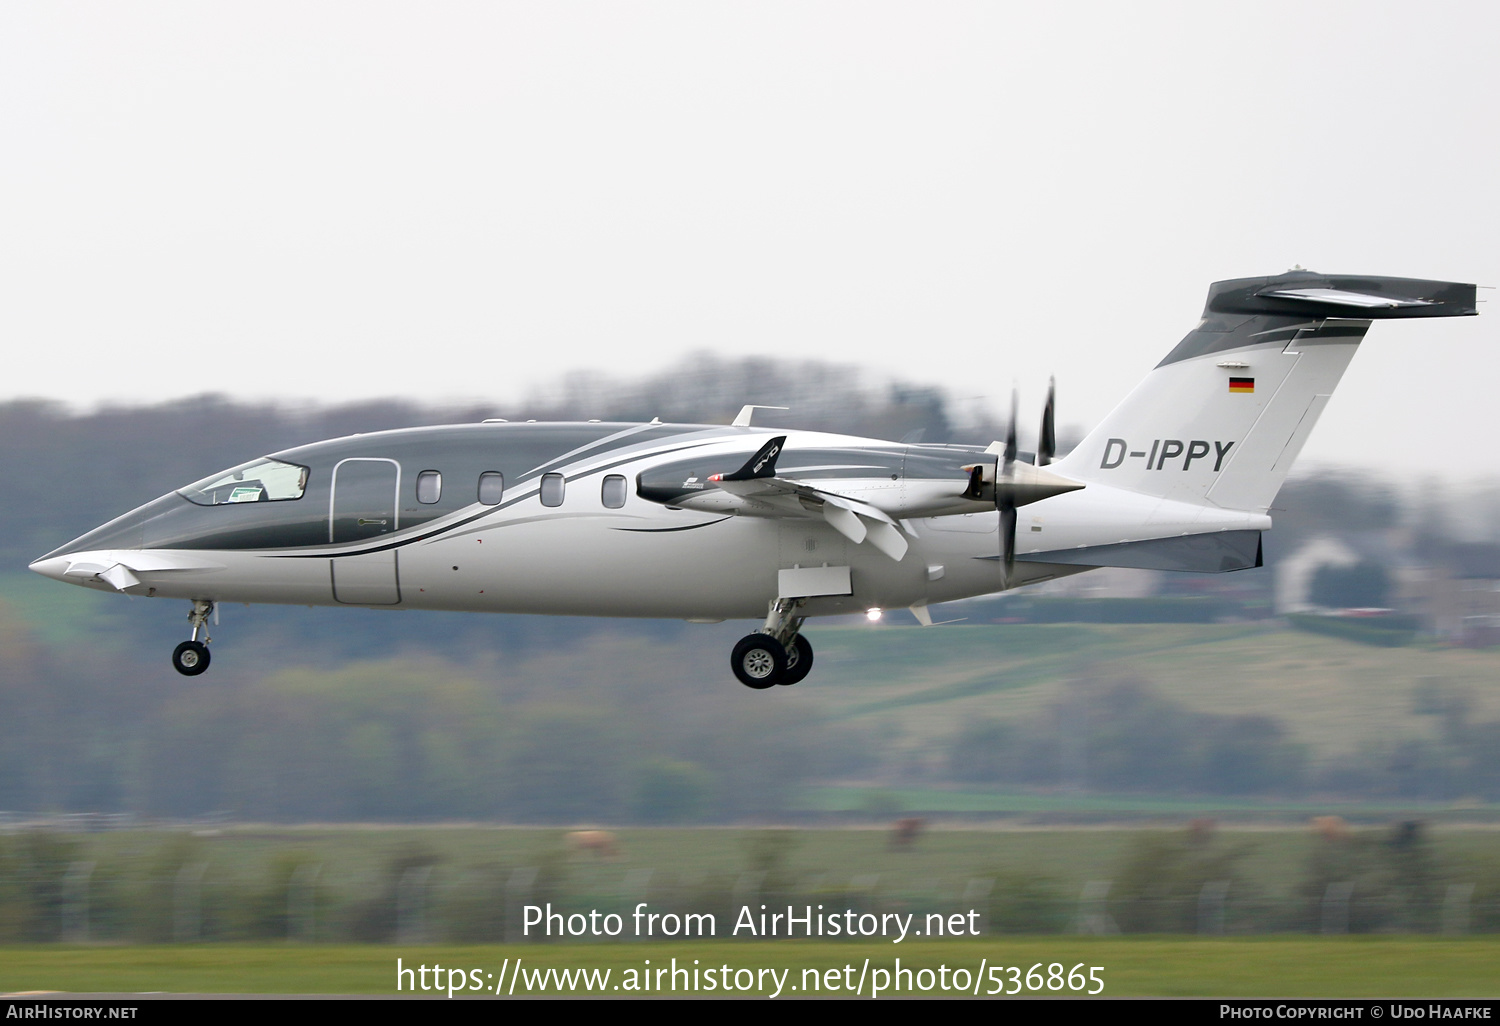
{"points": [[1295, 573], [1457, 592]]}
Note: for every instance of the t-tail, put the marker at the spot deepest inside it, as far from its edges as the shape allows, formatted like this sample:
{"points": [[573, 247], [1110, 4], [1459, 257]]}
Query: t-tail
{"points": [[1220, 420]]}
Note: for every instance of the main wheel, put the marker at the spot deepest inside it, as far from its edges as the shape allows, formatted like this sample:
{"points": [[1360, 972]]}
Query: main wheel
{"points": [[759, 661], [798, 660], [190, 658]]}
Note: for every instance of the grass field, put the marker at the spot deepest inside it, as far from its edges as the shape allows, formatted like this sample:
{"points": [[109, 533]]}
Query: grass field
{"points": [[1262, 967]]}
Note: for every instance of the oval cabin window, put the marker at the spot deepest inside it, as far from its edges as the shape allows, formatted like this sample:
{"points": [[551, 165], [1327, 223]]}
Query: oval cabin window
{"points": [[491, 488], [614, 491]]}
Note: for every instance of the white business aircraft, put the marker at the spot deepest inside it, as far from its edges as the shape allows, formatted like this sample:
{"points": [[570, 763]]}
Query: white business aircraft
{"points": [[707, 523]]}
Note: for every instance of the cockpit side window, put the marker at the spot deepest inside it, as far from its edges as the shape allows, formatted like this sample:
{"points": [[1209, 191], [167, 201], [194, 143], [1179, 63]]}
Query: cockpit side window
{"points": [[262, 480]]}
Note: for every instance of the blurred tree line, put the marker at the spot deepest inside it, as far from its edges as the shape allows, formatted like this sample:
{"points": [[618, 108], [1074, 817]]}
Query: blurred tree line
{"points": [[545, 739], [1122, 735], [177, 887], [547, 736]]}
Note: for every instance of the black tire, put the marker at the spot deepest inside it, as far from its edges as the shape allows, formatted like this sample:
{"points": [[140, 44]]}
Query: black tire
{"points": [[799, 660], [758, 661], [190, 658]]}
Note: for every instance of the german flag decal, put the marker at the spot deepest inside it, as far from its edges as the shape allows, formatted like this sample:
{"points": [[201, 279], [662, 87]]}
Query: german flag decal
{"points": [[1242, 384]]}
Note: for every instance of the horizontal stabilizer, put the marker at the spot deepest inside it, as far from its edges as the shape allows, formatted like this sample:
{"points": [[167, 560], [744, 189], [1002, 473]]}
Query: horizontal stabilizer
{"points": [[1308, 294]]}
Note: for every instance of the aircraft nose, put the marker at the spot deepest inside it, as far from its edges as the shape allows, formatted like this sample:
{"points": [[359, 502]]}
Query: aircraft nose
{"points": [[55, 567]]}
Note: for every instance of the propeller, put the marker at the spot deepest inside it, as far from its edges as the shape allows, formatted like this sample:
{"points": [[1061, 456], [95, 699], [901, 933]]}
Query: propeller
{"points": [[1017, 483], [1046, 445], [1005, 498]]}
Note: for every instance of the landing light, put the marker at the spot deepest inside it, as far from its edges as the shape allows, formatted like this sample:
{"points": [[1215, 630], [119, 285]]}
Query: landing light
{"points": [[873, 614]]}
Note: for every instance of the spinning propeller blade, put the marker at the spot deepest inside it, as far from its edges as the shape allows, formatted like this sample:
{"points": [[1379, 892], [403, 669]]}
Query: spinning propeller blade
{"points": [[1010, 433], [1017, 483], [1005, 498], [1046, 445]]}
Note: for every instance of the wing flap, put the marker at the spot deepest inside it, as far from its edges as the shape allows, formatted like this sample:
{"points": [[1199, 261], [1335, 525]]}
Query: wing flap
{"points": [[778, 497], [846, 522]]}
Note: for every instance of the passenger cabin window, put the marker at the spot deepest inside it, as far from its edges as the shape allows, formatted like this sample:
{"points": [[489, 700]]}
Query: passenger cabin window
{"points": [[429, 486], [614, 491], [552, 489], [491, 488], [262, 480]]}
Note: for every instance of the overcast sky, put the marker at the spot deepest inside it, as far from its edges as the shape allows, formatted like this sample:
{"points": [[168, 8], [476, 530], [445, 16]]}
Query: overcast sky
{"points": [[339, 201]]}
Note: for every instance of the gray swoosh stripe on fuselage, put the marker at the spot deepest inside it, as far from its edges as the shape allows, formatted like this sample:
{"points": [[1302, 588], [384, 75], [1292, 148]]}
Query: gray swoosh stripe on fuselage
{"points": [[428, 532]]}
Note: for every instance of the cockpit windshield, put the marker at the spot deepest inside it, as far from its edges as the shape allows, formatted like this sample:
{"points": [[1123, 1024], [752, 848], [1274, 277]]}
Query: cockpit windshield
{"points": [[262, 480]]}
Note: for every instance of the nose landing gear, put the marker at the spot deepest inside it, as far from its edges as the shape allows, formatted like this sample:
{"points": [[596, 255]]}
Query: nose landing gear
{"points": [[775, 654], [191, 657]]}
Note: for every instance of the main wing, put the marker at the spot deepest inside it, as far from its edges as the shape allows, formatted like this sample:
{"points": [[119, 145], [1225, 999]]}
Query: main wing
{"points": [[864, 494]]}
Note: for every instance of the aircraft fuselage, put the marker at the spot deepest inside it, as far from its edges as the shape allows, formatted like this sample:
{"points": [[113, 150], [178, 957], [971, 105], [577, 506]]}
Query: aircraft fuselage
{"points": [[571, 532], [716, 522]]}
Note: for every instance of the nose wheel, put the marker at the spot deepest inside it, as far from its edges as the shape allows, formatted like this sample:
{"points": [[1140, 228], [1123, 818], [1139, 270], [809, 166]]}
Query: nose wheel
{"points": [[191, 657]]}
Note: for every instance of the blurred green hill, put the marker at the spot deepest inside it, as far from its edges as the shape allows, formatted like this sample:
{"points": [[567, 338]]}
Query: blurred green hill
{"points": [[623, 725]]}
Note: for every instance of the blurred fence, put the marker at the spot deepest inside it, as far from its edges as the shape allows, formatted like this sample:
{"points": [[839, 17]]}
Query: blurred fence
{"points": [[48, 893]]}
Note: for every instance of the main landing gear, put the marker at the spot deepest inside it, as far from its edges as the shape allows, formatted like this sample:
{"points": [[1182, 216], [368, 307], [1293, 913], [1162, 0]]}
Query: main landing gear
{"points": [[191, 657], [775, 654]]}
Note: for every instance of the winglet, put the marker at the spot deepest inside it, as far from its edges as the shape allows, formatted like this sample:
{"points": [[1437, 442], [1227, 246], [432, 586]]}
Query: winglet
{"points": [[762, 464]]}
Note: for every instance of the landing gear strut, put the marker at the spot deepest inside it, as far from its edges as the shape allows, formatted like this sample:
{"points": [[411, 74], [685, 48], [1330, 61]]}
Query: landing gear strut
{"points": [[191, 657], [777, 653]]}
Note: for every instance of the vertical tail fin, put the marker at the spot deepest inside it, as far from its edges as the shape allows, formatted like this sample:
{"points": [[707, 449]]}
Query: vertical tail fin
{"points": [[1220, 420]]}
